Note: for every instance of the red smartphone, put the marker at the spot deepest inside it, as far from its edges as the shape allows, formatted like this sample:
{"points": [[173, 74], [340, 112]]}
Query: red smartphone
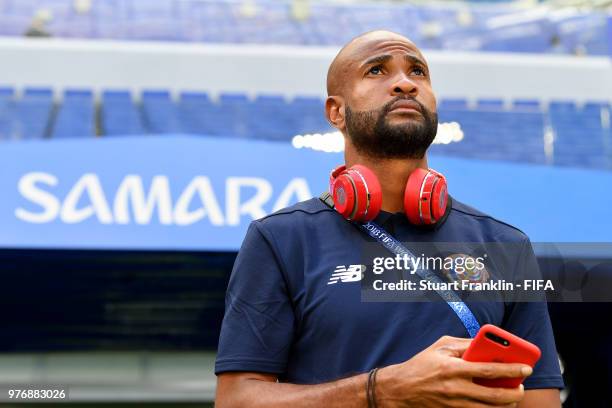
{"points": [[496, 345]]}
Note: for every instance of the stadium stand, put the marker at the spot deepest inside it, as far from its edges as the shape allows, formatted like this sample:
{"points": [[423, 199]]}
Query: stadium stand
{"points": [[499, 27], [517, 134], [580, 135]]}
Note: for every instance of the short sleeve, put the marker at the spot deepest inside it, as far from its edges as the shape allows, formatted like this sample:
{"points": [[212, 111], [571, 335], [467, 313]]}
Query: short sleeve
{"points": [[530, 321], [258, 325]]}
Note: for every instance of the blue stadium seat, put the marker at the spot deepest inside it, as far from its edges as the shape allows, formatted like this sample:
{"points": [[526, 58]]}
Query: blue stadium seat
{"points": [[6, 112], [76, 115], [452, 103], [38, 93], [492, 104], [562, 106], [234, 99], [160, 113], [6, 93], [30, 116], [311, 118], [235, 112], [526, 104], [194, 111], [119, 115], [270, 100], [272, 118]]}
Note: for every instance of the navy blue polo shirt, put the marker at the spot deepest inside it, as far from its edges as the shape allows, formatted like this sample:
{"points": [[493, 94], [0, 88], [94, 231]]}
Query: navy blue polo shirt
{"points": [[283, 317]]}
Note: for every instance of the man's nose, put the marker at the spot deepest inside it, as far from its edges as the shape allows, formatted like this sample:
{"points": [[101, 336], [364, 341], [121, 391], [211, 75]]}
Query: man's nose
{"points": [[403, 85]]}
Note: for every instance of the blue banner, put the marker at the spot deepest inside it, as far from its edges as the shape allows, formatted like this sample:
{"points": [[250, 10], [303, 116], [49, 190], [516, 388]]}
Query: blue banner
{"points": [[182, 192]]}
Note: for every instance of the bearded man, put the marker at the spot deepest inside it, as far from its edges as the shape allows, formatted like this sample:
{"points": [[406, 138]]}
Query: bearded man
{"points": [[296, 332]]}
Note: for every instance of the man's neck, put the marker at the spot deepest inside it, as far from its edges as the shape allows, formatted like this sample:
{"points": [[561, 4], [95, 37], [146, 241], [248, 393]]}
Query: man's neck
{"points": [[393, 176]]}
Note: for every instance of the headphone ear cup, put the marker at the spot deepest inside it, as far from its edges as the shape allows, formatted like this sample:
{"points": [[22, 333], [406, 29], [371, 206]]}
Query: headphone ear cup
{"points": [[333, 175], [368, 193], [439, 198], [425, 197], [343, 193], [412, 196]]}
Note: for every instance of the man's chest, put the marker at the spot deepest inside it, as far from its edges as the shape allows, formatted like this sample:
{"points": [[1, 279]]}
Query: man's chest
{"points": [[331, 300]]}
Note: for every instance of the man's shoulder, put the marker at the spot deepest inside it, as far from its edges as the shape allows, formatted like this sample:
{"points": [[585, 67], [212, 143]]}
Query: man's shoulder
{"points": [[308, 209], [493, 226]]}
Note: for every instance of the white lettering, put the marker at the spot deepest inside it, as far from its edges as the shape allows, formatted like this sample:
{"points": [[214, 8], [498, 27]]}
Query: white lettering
{"points": [[297, 186], [252, 207], [131, 189], [90, 184], [210, 207], [132, 202], [28, 189]]}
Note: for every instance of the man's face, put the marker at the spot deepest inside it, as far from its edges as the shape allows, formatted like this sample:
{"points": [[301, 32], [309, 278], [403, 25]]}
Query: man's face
{"points": [[390, 109]]}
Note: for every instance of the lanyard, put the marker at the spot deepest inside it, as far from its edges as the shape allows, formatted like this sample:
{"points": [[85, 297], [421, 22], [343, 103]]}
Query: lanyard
{"points": [[452, 299]]}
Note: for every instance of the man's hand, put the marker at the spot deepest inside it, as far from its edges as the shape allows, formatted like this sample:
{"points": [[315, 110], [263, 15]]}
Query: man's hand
{"points": [[438, 377]]}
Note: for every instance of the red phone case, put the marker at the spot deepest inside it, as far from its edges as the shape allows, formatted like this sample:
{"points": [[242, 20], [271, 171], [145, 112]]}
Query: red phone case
{"points": [[484, 349]]}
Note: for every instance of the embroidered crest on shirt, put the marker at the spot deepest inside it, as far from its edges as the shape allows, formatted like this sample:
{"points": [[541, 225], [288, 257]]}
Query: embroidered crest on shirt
{"points": [[472, 273]]}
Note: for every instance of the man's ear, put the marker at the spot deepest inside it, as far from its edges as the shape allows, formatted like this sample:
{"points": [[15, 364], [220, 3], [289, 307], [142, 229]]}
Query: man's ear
{"points": [[334, 112]]}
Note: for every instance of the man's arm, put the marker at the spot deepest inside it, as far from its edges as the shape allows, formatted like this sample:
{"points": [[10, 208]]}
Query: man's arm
{"points": [[548, 398], [436, 377], [262, 390]]}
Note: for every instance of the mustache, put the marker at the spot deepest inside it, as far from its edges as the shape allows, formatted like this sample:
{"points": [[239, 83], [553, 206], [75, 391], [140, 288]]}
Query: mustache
{"points": [[388, 106]]}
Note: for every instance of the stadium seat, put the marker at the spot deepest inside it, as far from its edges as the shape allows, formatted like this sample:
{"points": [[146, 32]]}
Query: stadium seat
{"points": [[452, 103], [562, 106], [6, 113], [76, 115], [235, 110], [193, 110], [311, 118], [160, 112], [29, 117], [492, 104], [6, 93], [271, 118], [526, 104], [119, 115]]}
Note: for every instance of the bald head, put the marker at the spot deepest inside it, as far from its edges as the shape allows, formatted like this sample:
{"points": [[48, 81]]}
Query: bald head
{"points": [[350, 54]]}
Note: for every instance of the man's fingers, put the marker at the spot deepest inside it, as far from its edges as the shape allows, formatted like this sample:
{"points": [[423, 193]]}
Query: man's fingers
{"points": [[474, 404], [453, 346], [493, 396], [495, 370]]}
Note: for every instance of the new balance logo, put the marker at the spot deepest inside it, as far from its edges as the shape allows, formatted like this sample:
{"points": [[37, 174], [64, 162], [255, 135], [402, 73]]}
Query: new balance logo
{"points": [[352, 273]]}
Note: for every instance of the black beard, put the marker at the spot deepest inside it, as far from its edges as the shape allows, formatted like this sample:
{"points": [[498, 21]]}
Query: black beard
{"points": [[374, 137]]}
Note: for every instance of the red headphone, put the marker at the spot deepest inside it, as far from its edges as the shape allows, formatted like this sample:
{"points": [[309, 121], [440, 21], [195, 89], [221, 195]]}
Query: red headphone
{"points": [[357, 195]]}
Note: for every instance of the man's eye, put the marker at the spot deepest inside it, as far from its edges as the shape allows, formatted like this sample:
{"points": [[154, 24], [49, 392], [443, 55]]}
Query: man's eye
{"points": [[375, 70], [419, 71]]}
